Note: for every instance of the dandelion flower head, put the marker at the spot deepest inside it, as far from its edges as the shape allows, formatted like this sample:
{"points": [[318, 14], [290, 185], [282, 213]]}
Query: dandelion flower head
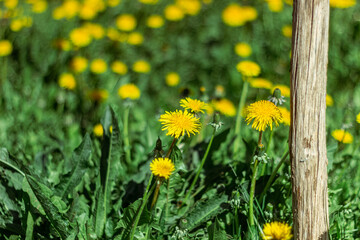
{"points": [[275, 5], [78, 64], [234, 15], [343, 136], [342, 3], [276, 231], [98, 130], [193, 105], [180, 122], [224, 106], [67, 81], [191, 7], [5, 48], [162, 167], [329, 100], [260, 83], [243, 49], [358, 118], [287, 31], [126, 22], [248, 68], [80, 37], [155, 21], [173, 13], [264, 113], [285, 115], [172, 79], [141, 66], [98, 66], [129, 91], [119, 67]]}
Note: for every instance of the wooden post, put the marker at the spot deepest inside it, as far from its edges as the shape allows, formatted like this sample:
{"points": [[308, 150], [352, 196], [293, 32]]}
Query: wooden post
{"points": [[307, 132]]}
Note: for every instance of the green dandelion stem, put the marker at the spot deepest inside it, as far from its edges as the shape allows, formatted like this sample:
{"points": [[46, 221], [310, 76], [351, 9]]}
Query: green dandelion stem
{"points": [[126, 136], [156, 194], [252, 192], [144, 200], [273, 174], [237, 141], [171, 148], [200, 168]]}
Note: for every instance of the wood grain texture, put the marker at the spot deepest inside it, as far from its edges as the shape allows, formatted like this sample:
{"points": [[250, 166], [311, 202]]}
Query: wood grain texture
{"points": [[307, 131]]}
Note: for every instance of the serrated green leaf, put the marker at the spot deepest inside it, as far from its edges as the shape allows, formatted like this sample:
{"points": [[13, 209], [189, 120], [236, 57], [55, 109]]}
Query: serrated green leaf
{"points": [[80, 158], [110, 167], [43, 195], [203, 212]]}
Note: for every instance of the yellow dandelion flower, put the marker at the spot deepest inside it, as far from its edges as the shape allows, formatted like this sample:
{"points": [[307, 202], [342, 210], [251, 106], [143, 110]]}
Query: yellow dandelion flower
{"points": [[149, 1], [135, 38], [285, 115], [275, 5], [248, 68], [329, 100], [191, 7], [264, 113], [179, 123], [126, 22], [95, 30], [193, 105], [113, 3], [62, 44], [342, 3], [98, 130], [285, 90], [224, 106], [234, 15], [39, 6], [79, 64], [67, 81], [80, 37], [172, 79], [155, 21], [129, 91], [141, 66], [5, 48], [11, 4], [287, 31], [98, 95], [260, 83], [16, 25], [243, 49], [162, 167], [87, 11], [173, 13], [343, 136], [119, 67], [276, 231], [98, 66], [358, 118]]}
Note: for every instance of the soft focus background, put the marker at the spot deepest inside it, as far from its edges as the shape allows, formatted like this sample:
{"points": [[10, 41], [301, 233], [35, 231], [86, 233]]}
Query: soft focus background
{"points": [[63, 62]]}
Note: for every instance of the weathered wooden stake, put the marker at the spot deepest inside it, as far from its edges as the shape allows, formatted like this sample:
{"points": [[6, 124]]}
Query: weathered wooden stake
{"points": [[307, 132]]}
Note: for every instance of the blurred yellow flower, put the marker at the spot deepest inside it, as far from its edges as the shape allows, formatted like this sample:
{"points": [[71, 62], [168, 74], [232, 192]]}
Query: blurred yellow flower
{"points": [[5, 48], [285, 90], [98, 95], [193, 105], [342, 3], [358, 118], [343, 136], [95, 30], [287, 31], [149, 1], [285, 115], [276, 231], [264, 113], [173, 13], [80, 37], [19, 23], [39, 6], [191, 7], [141, 66], [260, 83], [113, 34], [78, 64], [11, 4], [98, 130], [98, 66], [155, 21], [129, 91], [67, 81], [119, 67], [135, 38], [179, 123], [68, 9], [126, 22], [243, 49], [234, 15], [62, 44], [87, 11], [224, 106], [113, 3], [275, 5], [162, 167], [248, 68], [329, 101], [172, 79]]}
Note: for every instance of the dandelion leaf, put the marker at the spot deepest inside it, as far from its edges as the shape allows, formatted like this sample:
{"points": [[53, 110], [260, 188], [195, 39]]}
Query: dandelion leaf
{"points": [[216, 232]]}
